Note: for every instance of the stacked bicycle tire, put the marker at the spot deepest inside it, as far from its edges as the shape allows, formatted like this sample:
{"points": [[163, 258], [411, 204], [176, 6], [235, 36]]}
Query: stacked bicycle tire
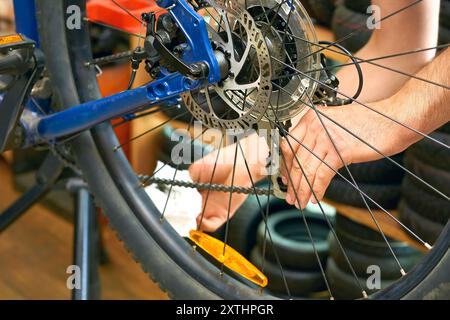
{"points": [[423, 209], [364, 249], [350, 17], [444, 22], [285, 254], [379, 180]]}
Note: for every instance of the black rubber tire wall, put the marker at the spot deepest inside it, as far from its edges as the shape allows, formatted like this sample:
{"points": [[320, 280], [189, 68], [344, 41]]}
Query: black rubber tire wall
{"points": [[438, 178], [344, 285], [425, 202], [444, 18], [321, 10], [359, 6], [300, 283], [113, 190], [108, 193], [425, 228], [295, 254], [432, 153], [360, 261], [381, 172], [386, 196], [364, 240], [346, 21]]}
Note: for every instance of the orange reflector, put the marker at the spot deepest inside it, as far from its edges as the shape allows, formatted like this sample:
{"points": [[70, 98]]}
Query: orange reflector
{"points": [[12, 38], [231, 259]]}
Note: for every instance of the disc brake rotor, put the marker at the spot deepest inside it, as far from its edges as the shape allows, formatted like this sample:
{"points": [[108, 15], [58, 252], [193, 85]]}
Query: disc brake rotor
{"points": [[243, 96], [265, 44]]}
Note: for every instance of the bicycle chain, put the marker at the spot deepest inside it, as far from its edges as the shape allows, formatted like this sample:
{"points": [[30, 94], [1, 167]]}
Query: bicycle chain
{"points": [[71, 164], [148, 180], [109, 59]]}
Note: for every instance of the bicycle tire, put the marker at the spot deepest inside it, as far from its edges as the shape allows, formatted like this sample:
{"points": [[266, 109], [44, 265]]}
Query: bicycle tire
{"points": [[386, 196], [382, 171], [300, 282], [171, 261], [432, 153], [425, 202], [292, 252]]}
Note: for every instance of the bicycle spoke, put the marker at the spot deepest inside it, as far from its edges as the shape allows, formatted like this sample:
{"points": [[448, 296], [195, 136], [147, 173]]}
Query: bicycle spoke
{"points": [[199, 225], [229, 207], [113, 28], [151, 111], [264, 217], [127, 11], [394, 55], [148, 131], [361, 28], [364, 105], [323, 213], [368, 61], [174, 175], [402, 271], [148, 178], [325, 216], [390, 215]]}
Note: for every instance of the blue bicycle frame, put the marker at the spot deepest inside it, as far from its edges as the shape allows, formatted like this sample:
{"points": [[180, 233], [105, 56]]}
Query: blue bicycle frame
{"points": [[47, 128]]}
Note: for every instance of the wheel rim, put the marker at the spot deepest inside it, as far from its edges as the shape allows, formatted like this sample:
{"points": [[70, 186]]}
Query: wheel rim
{"points": [[104, 136]]}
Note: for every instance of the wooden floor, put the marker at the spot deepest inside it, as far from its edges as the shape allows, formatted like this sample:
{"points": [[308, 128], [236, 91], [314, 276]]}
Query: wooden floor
{"points": [[36, 251]]}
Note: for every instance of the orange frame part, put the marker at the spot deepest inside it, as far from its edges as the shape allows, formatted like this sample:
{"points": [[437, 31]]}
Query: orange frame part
{"points": [[108, 12]]}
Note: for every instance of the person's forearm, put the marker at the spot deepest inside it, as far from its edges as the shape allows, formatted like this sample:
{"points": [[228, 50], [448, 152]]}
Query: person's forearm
{"points": [[425, 106], [421, 106], [414, 28]]}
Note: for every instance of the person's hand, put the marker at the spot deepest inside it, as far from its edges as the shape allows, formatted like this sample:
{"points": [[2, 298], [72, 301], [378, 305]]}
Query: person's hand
{"points": [[321, 152], [216, 211]]}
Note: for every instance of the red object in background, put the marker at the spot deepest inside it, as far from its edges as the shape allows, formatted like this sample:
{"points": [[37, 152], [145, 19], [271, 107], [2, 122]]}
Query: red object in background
{"points": [[111, 81], [107, 12]]}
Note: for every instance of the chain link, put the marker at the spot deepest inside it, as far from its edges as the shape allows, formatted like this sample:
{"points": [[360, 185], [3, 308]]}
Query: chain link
{"points": [[148, 180]]}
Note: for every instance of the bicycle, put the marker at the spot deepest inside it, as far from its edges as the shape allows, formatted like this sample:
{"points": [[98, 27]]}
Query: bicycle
{"points": [[191, 58]]}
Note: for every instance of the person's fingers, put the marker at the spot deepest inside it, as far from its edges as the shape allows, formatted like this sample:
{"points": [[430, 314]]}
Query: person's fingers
{"points": [[325, 174], [298, 164], [291, 143], [203, 169], [311, 166], [211, 223], [288, 149]]}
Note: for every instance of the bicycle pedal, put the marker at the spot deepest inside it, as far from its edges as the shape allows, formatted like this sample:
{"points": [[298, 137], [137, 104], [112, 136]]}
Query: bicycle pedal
{"points": [[230, 258], [14, 41]]}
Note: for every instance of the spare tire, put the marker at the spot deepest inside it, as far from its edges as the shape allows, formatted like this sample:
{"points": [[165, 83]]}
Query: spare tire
{"points": [[446, 127], [359, 6], [444, 18], [300, 283], [438, 178], [433, 153], [444, 35], [321, 10], [386, 196], [346, 21], [362, 239], [425, 228], [344, 286], [290, 239], [425, 201], [382, 171], [360, 261], [244, 224]]}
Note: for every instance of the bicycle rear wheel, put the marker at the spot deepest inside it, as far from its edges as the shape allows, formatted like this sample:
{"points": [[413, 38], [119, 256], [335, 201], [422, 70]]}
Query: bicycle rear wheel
{"points": [[168, 258]]}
